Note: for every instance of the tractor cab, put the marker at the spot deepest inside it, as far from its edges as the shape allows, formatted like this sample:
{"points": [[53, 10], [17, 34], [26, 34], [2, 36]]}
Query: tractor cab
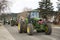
{"points": [[34, 14], [34, 17]]}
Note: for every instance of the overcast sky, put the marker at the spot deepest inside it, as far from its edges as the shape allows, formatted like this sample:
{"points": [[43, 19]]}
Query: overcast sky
{"points": [[19, 5]]}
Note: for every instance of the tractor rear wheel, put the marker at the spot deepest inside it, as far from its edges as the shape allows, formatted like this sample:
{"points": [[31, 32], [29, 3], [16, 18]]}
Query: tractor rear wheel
{"points": [[48, 29], [24, 27], [20, 27], [29, 29]]}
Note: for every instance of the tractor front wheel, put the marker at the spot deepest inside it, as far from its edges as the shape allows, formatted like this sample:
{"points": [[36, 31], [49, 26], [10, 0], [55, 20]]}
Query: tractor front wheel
{"points": [[48, 29]]}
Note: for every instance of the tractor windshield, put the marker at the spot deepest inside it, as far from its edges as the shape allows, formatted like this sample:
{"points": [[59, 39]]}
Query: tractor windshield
{"points": [[34, 14]]}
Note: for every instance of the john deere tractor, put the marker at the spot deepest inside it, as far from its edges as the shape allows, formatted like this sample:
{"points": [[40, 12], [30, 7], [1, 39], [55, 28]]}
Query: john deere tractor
{"points": [[34, 22]]}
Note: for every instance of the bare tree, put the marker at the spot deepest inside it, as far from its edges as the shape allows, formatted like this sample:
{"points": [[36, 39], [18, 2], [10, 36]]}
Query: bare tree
{"points": [[26, 9], [25, 12], [3, 5]]}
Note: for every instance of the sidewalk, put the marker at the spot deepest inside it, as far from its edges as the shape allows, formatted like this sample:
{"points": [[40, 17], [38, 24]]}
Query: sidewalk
{"points": [[4, 34], [55, 26]]}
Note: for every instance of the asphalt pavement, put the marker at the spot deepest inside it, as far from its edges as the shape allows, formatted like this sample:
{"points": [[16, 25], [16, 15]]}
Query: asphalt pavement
{"points": [[13, 30], [4, 34]]}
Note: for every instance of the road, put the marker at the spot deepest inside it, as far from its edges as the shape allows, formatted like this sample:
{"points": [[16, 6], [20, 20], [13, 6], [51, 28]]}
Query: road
{"points": [[13, 30]]}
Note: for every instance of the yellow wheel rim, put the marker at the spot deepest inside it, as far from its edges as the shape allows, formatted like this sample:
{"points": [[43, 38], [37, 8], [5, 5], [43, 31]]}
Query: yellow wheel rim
{"points": [[46, 29], [18, 26], [28, 30]]}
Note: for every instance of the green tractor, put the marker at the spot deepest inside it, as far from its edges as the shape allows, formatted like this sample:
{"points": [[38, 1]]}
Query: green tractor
{"points": [[34, 22], [13, 22]]}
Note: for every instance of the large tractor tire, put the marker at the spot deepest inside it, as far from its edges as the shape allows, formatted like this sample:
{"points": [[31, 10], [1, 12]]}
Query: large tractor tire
{"points": [[25, 27], [20, 27], [48, 30], [29, 29]]}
